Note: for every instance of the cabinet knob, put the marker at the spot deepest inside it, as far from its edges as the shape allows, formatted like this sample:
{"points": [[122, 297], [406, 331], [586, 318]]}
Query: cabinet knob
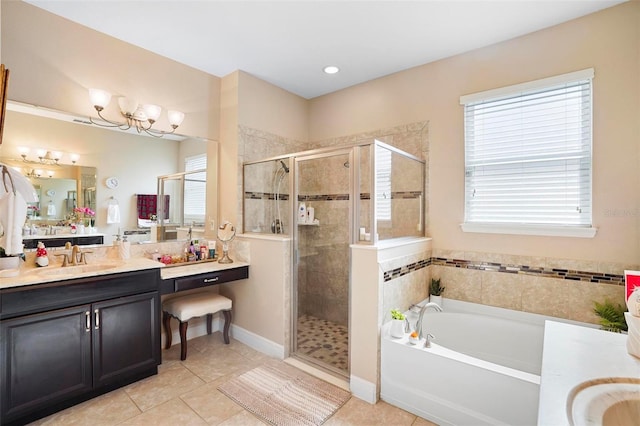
{"points": [[97, 318], [87, 318]]}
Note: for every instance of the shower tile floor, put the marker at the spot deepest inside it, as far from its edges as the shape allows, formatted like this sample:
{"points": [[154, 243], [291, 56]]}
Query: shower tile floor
{"points": [[324, 340]]}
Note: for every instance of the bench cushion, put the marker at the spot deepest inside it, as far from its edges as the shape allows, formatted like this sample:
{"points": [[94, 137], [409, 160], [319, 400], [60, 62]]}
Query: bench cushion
{"points": [[196, 305]]}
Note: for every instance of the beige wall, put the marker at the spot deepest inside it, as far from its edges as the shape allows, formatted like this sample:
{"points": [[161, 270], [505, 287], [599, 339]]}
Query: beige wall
{"points": [[607, 41], [54, 62]]}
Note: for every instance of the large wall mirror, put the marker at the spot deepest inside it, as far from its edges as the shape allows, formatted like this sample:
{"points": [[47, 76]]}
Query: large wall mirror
{"points": [[97, 167]]}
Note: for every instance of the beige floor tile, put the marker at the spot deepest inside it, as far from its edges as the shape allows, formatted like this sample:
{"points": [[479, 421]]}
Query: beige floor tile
{"points": [[211, 404], [419, 421], [171, 381], [244, 418], [173, 412], [358, 412], [185, 393], [215, 363], [108, 409]]}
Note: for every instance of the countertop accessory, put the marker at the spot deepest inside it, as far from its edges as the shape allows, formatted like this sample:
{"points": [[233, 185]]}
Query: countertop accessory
{"points": [[226, 234]]}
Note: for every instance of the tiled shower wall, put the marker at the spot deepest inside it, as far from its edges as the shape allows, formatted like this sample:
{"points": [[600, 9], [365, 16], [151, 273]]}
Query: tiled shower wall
{"points": [[255, 145], [412, 138], [323, 283]]}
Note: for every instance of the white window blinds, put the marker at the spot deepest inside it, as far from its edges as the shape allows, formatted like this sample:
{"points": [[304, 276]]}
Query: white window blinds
{"points": [[195, 189], [528, 153], [383, 183]]}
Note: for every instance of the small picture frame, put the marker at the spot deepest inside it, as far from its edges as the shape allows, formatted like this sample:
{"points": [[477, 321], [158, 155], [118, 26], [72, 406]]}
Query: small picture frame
{"points": [[631, 281]]}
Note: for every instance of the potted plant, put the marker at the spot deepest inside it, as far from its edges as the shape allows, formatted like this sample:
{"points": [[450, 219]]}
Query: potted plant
{"points": [[397, 323], [435, 290], [611, 316]]}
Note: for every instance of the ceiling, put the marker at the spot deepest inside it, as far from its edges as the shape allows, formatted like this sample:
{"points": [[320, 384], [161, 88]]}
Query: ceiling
{"points": [[288, 43]]}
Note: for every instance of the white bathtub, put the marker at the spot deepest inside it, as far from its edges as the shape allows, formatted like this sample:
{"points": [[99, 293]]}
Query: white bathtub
{"points": [[483, 368]]}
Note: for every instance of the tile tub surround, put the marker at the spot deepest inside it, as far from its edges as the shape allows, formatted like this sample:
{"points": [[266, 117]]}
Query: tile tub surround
{"points": [[563, 288]]}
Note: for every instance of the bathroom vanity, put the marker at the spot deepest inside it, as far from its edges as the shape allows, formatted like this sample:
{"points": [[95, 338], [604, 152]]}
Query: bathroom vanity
{"points": [[67, 341], [70, 334]]}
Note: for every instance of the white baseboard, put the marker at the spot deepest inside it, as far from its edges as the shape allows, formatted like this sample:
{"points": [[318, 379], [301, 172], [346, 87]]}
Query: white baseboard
{"points": [[257, 342], [363, 389], [198, 327]]}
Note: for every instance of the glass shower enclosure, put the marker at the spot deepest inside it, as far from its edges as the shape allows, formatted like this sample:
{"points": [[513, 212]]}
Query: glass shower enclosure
{"points": [[325, 200]]}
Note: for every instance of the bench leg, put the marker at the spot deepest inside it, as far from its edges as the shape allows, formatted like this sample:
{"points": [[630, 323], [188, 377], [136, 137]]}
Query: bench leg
{"points": [[209, 319], [183, 340], [166, 321], [227, 324]]}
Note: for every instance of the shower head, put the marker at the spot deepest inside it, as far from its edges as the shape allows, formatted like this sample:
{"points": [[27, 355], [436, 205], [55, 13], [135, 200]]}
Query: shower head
{"points": [[286, 169]]}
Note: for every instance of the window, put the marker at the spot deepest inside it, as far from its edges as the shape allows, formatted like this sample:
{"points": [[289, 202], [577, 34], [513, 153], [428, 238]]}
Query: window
{"points": [[528, 157], [195, 189], [383, 183]]}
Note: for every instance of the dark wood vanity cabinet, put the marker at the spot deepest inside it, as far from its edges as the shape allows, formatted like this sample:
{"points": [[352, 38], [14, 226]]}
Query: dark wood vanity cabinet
{"points": [[55, 358], [31, 243]]}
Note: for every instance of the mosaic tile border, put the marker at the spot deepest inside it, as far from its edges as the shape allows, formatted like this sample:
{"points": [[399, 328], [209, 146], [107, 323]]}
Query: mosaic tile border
{"points": [[566, 274], [405, 195], [265, 196]]}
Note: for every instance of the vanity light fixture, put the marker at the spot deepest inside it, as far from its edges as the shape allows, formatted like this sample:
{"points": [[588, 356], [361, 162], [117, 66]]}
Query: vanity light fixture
{"points": [[44, 156], [38, 173], [141, 117], [331, 69]]}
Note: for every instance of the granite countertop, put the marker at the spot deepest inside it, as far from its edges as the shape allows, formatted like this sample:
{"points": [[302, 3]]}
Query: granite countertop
{"points": [[31, 274], [572, 355]]}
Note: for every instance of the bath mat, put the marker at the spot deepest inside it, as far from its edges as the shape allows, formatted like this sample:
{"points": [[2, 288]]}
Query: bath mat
{"points": [[282, 395]]}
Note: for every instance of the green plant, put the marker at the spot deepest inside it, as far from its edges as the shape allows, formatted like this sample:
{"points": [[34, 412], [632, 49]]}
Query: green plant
{"points": [[396, 314], [436, 288], [611, 316]]}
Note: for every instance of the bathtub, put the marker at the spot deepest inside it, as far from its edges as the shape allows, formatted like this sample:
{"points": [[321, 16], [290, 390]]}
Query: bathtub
{"points": [[483, 367]]}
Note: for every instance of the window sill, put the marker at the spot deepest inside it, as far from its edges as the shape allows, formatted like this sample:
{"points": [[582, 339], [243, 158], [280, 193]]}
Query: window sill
{"points": [[546, 231]]}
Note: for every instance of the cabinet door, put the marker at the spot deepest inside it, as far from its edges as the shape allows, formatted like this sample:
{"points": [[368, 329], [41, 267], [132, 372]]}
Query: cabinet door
{"points": [[45, 358], [126, 336]]}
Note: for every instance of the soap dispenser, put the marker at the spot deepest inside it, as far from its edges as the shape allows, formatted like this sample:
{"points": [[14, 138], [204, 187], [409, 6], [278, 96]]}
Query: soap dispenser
{"points": [[125, 249]]}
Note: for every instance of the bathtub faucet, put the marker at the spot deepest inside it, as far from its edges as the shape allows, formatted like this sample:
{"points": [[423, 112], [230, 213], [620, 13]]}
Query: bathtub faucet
{"points": [[422, 311]]}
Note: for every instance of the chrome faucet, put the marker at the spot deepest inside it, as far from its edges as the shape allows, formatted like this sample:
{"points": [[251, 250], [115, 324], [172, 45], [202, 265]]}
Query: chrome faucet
{"points": [[422, 311]]}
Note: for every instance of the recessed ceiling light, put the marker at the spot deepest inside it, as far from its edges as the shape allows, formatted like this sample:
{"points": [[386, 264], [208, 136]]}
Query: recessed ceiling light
{"points": [[331, 69]]}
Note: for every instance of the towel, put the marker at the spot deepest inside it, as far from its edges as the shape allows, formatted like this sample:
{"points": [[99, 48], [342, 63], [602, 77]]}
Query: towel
{"points": [[51, 209], [13, 213], [147, 205], [113, 213]]}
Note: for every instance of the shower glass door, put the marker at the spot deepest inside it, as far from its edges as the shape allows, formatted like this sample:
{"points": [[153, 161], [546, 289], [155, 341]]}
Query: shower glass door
{"points": [[321, 268]]}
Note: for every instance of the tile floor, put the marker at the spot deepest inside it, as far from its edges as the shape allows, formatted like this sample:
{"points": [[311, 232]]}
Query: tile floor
{"points": [[324, 340], [185, 393]]}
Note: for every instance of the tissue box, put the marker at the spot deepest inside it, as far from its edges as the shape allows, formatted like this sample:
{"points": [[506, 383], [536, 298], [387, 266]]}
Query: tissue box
{"points": [[633, 337]]}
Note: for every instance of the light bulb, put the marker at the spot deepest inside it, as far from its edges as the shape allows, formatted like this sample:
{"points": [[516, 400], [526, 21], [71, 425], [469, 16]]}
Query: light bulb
{"points": [[128, 106], [152, 112], [99, 98], [175, 118]]}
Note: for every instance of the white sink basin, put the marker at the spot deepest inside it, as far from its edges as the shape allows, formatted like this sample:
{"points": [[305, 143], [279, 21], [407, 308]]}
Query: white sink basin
{"points": [[609, 401], [79, 269]]}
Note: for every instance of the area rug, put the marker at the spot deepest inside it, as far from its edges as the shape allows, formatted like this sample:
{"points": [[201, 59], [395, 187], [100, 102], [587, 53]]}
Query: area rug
{"points": [[285, 396]]}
